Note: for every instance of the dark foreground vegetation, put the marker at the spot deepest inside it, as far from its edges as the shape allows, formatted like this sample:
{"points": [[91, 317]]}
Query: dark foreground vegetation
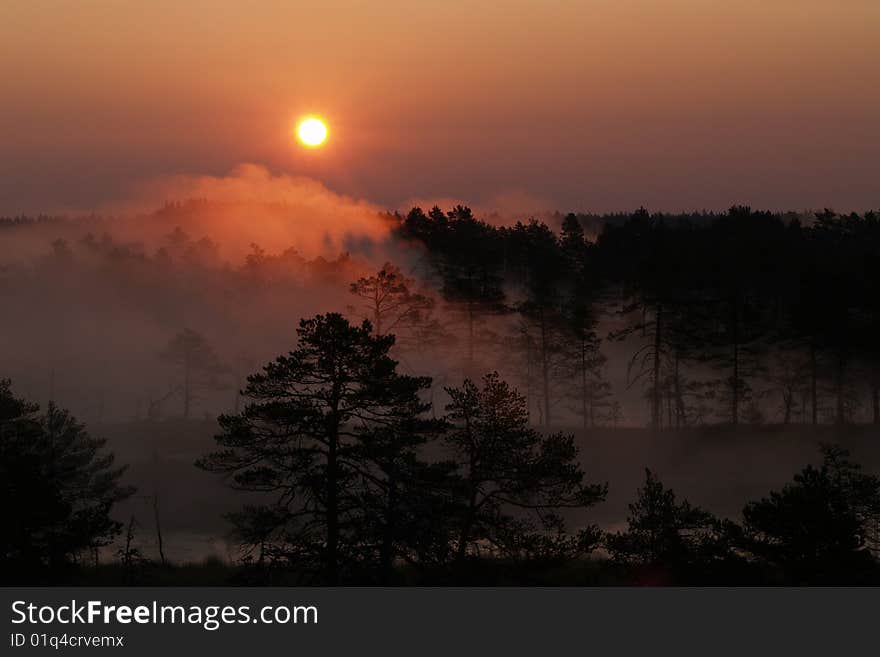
{"points": [[355, 470], [358, 485]]}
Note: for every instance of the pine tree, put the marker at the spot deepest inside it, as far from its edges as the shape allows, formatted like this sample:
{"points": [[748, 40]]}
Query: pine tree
{"points": [[198, 362], [390, 302], [512, 480], [58, 487], [821, 527], [329, 432], [665, 535]]}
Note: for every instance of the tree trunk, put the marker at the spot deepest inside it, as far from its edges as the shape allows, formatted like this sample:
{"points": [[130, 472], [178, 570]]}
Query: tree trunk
{"points": [[545, 370], [377, 315], [386, 556], [331, 557], [529, 395], [584, 385], [159, 542], [186, 386], [681, 414], [734, 410], [463, 538], [241, 368], [470, 356], [128, 555], [840, 415], [465, 534], [655, 399], [158, 528], [814, 397], [875, 399]]}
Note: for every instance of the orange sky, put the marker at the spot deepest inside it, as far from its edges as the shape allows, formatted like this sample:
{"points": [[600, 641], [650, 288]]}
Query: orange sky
{"points": [[592, 105]]}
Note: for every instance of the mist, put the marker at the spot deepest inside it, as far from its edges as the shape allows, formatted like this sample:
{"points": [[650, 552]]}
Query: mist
{"points": [[92, 304], [240, 259], [92, 298]]}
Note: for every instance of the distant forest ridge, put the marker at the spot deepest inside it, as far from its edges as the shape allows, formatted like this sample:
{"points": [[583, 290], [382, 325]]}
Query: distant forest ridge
{"points": [[738, 317], [592, 222]]}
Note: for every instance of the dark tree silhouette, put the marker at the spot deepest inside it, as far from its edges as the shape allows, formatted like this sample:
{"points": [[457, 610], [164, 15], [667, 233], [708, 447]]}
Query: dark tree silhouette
{"points": [[513, 481], [745, 246], [198, 362], [822, 526], [638, 256], [468, 257], [57, 489], [534, 254], [574, 247], [708, 302], [665, 538], [390, 302], [329, 435], [407, 507], [591, 393]]}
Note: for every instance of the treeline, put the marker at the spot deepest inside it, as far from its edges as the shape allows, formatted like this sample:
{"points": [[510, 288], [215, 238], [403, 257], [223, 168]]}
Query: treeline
{"points": [[362, 484], [349, 478], [738, 317], [741, 317], [26, 220]]}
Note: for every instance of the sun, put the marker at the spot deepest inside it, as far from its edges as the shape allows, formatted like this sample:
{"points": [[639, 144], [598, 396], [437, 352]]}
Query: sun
{"points": [[312, 132]]}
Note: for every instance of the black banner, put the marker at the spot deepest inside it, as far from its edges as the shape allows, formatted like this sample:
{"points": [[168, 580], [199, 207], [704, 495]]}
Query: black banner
{"points": [[497, 621]]}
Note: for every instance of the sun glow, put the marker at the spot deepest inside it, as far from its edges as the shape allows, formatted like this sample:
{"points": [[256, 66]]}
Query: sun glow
{"points": [[312, 132]]}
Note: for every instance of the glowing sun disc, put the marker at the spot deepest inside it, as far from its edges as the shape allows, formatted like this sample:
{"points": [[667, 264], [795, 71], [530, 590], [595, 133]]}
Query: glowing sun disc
{"points": [[312, 132]]}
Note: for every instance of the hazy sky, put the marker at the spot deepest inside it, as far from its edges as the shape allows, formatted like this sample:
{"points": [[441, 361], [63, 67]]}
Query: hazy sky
{"points": [[590, 105]]}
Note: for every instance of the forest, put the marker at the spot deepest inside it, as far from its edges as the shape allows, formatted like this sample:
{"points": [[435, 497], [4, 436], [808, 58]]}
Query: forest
{"points": [[432, 403]]}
